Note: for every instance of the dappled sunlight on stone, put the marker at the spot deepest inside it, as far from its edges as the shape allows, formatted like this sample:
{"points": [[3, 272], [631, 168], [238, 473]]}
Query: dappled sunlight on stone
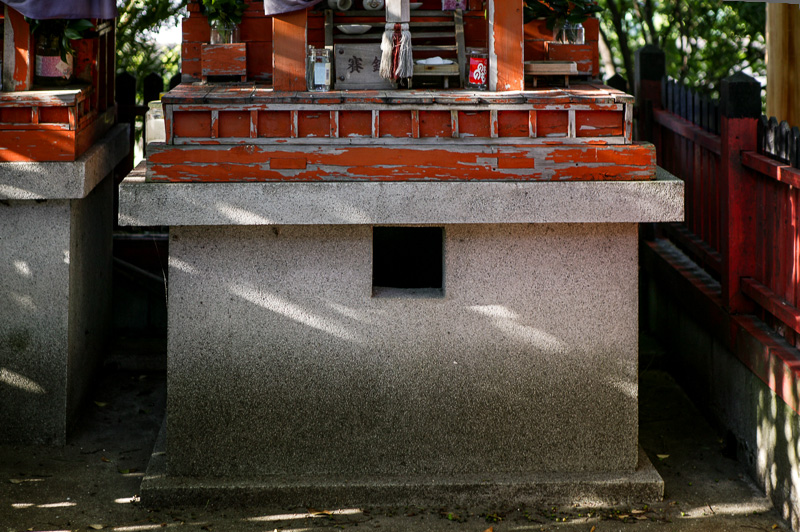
{"points": [[181, 265], [737, 508], [20, 381], [65, 504], [23, 300], [307, 515], [127, 500], [242, 216], [506, 321], [22, 268], [281, 305], [625, 387], [376, 316], [137, 528]]}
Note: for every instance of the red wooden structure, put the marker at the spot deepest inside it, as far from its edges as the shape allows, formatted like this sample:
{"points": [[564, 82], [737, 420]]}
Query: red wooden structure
{"points": [[742, 220], [270, 128], [40, 124]]}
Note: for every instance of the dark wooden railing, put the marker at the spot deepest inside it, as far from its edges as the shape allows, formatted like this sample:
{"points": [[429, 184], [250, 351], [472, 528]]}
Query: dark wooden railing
{"points": [[742, 205], [686, 133], [131, 112]]}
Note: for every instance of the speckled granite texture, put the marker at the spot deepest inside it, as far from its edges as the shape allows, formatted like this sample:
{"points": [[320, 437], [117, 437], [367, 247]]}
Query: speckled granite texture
{"points": [[282, 363]]}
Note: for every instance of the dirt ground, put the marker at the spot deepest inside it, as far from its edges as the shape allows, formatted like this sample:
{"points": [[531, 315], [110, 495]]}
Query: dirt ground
{"points": [[93, 482]]}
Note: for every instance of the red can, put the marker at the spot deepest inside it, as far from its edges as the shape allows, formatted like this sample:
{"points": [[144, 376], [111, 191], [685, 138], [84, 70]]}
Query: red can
{"points": [[478, 69]]}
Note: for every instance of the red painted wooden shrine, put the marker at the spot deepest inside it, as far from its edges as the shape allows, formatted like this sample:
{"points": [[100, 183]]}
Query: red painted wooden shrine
{"points": [[59, 124], [269, 128]]}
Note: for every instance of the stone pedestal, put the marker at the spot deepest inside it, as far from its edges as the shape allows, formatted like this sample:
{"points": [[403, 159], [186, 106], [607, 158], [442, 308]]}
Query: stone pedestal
{"points": [[56, 220], [294, 375]]}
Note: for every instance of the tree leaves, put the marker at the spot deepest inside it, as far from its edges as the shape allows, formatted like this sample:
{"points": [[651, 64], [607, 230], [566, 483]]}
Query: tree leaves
{"points": [[704, 40], [225, 11]]}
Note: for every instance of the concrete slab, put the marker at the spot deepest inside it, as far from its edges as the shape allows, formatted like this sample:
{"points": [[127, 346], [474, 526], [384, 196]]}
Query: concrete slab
{"points": [[290, 368], [525, 362], [644, 484], [55, 287], [176, 204]]}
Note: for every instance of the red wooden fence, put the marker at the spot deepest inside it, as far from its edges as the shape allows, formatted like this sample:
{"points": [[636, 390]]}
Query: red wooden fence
{"points": [[742, 199]]}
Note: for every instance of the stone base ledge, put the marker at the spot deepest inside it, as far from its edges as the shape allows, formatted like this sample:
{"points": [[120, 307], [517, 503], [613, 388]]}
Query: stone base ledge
{"points": [[398, 203], [643, 485], [65, 180]]}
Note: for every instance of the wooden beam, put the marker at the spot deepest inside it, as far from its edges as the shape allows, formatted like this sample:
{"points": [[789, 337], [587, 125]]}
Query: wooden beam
{"points": [[506, 39], [290, 41], [17, 52], [783, 50], [772, 303], [398, 11]]}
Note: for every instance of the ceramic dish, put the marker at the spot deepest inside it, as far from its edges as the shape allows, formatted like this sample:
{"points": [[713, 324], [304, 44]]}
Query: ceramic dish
{"points": [[353, 29], [415, 5]]}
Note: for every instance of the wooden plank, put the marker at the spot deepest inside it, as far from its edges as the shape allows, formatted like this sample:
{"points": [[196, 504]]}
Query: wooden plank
{"points": [[37, 145], [461, 50], [224, 59], [400, 162], [737, 190], [506, 38], [772, 303], [334, 120], [580, 54], [705, 255], [253, 124], [289, 51], [771, 168], [17, 52], [550, 68], [688, 130]]}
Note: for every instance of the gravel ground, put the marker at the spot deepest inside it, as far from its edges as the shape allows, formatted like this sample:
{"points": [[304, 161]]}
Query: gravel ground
{"points": [[93, 482]]}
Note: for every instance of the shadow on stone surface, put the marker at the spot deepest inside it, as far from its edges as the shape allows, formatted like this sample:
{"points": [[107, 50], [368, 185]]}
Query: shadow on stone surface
{"points": [[93, 482]]}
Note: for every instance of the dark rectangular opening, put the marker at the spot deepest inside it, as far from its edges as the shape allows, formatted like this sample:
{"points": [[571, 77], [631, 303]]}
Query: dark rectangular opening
{"points": [[407, 261]]}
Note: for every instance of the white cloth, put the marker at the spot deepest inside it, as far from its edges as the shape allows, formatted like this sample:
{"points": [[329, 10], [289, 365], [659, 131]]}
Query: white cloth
{"points": [[276, 7], [70, 9]]}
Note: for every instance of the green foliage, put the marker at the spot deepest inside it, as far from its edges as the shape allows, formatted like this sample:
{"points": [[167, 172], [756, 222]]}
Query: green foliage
{"points": [[138, 53], [62, 30], [704, 40], [224, 11], [559, 12]]}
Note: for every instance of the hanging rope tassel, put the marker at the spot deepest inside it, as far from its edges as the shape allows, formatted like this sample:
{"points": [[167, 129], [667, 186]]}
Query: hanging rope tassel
{"points": [[386, 71], [397, 60], [404, 67]]}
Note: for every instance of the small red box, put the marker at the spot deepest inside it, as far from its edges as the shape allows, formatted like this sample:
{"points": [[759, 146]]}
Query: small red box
{"points": [[581, 54], [224, 60]]}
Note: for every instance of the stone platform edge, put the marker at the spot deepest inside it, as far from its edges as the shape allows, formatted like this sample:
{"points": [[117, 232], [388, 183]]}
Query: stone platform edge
{"points": [[644, 485], [398, 203], [67, 179]]}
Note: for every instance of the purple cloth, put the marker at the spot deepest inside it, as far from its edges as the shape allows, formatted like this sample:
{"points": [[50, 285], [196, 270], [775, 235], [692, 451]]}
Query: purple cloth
{"points": [[276, 7], [71, 9]]}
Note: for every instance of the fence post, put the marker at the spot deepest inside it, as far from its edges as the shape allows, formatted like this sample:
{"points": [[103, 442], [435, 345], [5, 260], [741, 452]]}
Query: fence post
{"points": [[650, 69], [740, 110], [617, 82], [126, 102]]}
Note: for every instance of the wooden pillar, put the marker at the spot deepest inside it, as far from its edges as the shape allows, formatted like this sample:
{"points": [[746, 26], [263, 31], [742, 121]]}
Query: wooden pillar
{"points": [[506, 41], [398, 11], [17, 52], [783, 56], [740, 109], [650, 70], [289, 41]]}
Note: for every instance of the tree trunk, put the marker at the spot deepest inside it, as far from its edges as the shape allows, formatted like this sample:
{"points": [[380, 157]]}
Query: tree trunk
{"points": [[783, 56]]}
